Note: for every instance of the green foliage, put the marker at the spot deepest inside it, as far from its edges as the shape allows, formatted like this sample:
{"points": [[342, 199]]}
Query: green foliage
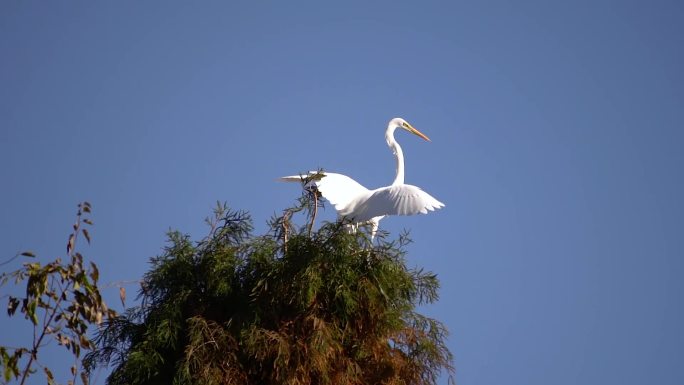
{"points": [[284, 308], [61, 301]]}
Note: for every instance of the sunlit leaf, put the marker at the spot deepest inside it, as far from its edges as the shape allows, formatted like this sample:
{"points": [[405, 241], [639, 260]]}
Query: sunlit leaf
{"points": [[50, 377], [32, 313]]}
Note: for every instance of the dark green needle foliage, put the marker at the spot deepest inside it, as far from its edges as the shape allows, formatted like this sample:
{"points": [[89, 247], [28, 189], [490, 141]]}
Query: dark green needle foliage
{"points": [[285, 308]]}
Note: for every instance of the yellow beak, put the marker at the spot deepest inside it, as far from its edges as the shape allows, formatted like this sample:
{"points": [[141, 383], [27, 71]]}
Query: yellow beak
{"points": [[413, 130]]}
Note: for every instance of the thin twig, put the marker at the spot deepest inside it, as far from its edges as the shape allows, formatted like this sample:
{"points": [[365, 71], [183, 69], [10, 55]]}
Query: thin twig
{"points": [[315, 210], [286, 228], [71, 243], [10, 260], [36, 344]]}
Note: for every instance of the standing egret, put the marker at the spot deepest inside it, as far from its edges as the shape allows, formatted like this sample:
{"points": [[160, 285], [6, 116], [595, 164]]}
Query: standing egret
{"points": [[361, 205]]}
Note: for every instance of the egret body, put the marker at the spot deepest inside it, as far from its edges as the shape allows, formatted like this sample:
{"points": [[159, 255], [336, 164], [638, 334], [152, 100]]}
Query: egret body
{"points": [[361, 205]]}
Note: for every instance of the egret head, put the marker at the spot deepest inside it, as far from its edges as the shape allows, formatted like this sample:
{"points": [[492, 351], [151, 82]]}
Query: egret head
{"points": [[401, 123]]}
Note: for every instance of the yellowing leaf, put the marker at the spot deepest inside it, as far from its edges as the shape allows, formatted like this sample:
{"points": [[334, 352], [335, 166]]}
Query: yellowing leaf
{"points": [[122, 295], [94, 272], [70, 243], [50, 377]]}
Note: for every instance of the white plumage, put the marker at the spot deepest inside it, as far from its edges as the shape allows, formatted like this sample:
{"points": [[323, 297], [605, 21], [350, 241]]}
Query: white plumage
{"points": [[361, 205], [402, 199]]}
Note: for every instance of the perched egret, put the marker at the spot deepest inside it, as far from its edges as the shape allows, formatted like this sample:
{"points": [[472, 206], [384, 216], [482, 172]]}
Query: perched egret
{"points": [[361, 205]]}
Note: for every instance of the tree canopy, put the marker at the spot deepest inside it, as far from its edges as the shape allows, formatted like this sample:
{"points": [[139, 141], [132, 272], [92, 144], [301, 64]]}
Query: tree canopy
{"points": [[293, 306]]}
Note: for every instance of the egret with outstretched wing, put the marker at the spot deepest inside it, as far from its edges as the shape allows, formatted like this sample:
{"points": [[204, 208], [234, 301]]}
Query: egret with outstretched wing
{"points": [[361, 205]]}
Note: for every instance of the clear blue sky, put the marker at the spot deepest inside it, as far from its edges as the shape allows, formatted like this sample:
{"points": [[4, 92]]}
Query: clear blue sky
{"points": [[556, 127]]}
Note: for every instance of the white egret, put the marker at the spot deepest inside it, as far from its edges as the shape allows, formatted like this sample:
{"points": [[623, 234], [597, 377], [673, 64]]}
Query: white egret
{"points": [[361, 205]]}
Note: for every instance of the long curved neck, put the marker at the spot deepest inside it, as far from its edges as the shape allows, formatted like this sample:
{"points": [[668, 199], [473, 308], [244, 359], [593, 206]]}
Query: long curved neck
{"points": [[398, 154]]}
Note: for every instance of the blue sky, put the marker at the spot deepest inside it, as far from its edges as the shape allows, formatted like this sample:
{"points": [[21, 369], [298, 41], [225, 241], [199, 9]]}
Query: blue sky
{"points": [[556, 134]]}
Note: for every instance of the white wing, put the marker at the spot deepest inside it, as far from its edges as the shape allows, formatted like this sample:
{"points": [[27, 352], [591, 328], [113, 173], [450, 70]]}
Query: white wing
{"points": [[404, 199], [338, 189]]}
